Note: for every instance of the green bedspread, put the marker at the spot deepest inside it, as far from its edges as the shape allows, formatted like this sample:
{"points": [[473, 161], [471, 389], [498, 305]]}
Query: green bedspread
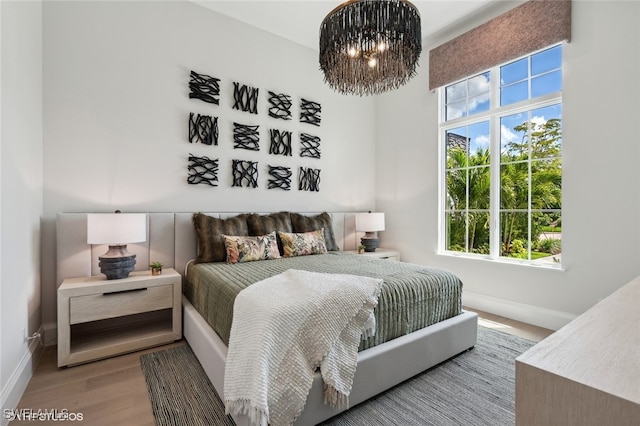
{"points": [[412, 296]]}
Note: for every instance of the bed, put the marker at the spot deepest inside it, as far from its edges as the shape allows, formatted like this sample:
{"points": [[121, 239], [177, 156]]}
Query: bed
{"points": [[392, 356]]}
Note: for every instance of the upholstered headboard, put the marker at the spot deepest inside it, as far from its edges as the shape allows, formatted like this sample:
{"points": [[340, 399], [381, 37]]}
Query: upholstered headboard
{"points": [[171, 240]]}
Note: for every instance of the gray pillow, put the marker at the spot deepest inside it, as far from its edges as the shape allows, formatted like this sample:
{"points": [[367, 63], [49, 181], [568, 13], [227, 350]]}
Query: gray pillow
{"points": [[209, 231], [265, 224], [268, 223], [302, 223]]}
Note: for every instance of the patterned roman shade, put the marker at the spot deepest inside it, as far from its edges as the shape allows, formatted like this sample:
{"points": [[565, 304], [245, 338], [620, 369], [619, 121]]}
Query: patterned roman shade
{"points": [[529, 27]]}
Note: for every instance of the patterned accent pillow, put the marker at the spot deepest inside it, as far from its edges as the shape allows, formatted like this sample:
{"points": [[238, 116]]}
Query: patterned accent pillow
{"points": [[302, 223], [303, 244], [209, 231], [264, 224], [248, 249]]}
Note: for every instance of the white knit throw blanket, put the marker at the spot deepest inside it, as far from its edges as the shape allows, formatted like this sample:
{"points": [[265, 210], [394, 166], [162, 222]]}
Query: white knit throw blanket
{"points": [[283, 328]]}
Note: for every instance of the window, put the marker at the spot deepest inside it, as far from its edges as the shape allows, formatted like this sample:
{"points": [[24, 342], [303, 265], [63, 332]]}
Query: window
{"points": [[501, 134]]}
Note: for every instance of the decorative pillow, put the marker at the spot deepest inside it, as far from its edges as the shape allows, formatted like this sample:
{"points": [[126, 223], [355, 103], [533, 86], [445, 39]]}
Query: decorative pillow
{"points": [[302, 244], [264, 224], [209, 231], [302, 223], [248, 249]]}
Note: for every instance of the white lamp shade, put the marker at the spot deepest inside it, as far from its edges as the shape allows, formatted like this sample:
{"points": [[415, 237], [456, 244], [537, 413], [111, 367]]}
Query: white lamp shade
{"points": [[370, 222], [116, 228]]}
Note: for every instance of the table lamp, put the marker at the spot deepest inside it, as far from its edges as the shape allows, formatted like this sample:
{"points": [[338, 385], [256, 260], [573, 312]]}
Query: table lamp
{"points": [[117, 230], [369, 223]]}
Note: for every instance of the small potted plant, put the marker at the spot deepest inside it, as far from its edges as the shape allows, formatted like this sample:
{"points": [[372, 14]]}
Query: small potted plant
{"points": [[156, 268], [361, 248]]}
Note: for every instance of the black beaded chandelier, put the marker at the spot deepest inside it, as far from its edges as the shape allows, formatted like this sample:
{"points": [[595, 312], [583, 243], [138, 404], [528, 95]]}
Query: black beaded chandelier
{"points": [[370, 46]]}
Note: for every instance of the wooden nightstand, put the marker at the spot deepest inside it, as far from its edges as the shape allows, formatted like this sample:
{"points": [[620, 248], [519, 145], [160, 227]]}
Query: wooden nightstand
{"points": [[380, 253], [99, 318]]}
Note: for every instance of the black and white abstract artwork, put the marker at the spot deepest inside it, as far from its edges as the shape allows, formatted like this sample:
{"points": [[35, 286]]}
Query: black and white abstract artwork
{"points": [[245, 98], [203, 129], [246, 137], [279, 178], [310, 112], [309, 179], [309, 146], [202, 170], [204, 87], [280, 106], [245, 173], [280, 142]]}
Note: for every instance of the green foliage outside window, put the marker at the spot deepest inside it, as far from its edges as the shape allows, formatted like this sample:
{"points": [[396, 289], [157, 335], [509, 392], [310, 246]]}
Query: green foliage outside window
{"points": [[536, 159]]}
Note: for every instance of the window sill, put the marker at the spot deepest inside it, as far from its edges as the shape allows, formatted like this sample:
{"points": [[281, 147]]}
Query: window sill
{"points": [[520, 262]]}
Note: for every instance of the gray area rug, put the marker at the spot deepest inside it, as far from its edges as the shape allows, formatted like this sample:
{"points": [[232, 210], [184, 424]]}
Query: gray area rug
{"points": [[474, 388]]}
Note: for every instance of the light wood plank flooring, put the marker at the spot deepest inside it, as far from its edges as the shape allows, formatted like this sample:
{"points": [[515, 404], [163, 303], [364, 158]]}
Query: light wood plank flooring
{"points": [[113, 391]]}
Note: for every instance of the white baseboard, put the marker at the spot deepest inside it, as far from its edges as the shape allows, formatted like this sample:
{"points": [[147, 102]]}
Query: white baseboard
{"points": [[20, 377], [530, 314]]}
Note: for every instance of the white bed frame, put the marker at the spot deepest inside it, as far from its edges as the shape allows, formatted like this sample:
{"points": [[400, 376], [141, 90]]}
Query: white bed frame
{"points": [[172, 241]]}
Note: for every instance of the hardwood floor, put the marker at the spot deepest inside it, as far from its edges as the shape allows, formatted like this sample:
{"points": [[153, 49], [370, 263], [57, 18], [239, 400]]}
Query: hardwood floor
{"points": [[507, 325], [113, 391], [107, 392]]}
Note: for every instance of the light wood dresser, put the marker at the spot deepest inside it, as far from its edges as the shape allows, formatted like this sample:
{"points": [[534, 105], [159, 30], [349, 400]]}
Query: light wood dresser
{"points": [[588, 372], [99, 318]]}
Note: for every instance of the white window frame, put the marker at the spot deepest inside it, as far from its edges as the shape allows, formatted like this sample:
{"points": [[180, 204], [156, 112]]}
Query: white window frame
{"points": [[493, 115]]}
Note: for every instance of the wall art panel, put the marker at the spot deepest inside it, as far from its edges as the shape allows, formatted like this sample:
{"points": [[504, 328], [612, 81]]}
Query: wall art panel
{"points": [[202, 170], [203, 129], [280, 106], [280, 178], [310, 112], [309, 179], [245, 98], [309, 146], [245, 173], [204, 87], [280, 142], [246, 137]]}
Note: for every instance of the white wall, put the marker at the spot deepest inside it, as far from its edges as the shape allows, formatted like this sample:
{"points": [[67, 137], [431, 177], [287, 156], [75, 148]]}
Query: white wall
{"points": [[21, 192], [601, 180], [116, 108]]}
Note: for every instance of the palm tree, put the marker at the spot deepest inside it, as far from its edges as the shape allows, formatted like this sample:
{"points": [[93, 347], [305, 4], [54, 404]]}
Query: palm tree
{"points": [[534, 160], [468, 223], [543, 147]]}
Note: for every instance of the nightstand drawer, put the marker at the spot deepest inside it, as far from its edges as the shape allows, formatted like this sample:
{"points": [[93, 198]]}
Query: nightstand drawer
{"points": [[111, 305]]}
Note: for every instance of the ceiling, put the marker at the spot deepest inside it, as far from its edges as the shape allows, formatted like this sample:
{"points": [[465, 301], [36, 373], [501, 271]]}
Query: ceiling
{"points": [[299, 20]]}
